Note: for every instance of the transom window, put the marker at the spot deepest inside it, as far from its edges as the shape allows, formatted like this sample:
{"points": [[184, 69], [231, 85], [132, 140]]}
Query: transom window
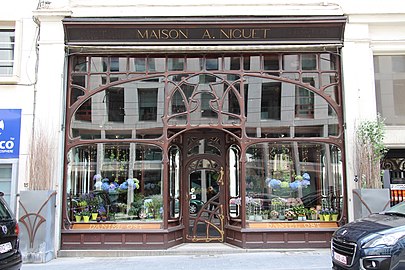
{"points": [[119, 95]]}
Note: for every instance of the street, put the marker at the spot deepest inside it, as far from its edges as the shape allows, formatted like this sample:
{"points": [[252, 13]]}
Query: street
{"points": [[317, 259]]}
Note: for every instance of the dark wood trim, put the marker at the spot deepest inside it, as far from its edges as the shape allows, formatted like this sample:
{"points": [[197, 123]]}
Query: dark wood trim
{"points": [[204, 30]]}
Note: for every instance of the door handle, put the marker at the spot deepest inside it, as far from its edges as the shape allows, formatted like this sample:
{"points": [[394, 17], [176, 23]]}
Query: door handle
{"points": [[221, 177]]}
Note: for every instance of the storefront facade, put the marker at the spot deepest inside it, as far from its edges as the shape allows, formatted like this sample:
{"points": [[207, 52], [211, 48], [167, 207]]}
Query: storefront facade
{"points": [[214, 129]]}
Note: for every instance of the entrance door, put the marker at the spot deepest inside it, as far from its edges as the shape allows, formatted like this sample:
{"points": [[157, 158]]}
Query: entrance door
{"points": [[204, 186]]}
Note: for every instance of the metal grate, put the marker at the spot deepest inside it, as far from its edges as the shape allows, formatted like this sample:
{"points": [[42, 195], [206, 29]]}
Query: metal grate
{"points": [[347, 249]]}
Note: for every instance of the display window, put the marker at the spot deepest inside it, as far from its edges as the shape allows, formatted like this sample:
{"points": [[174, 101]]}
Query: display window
{"points": [[128, 119], [293, 181], [115, 182]]}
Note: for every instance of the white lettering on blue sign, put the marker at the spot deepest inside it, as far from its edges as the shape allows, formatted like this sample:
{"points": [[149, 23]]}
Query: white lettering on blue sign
{"points": [[6, 145]]}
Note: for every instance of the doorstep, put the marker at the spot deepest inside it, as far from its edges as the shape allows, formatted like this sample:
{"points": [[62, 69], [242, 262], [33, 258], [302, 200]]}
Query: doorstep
{"points": [[183, 249]]}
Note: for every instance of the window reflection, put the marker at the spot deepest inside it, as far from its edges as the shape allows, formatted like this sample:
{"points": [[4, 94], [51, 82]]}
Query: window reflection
{"points": [[390, 85], [147, 104], [121, 182], [141, 102], [174, 181], [234, 182], [293, 180], [271, 101]]}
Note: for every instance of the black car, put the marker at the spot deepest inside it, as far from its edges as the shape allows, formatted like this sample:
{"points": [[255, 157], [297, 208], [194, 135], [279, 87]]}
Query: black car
{"points": [[10, 255], [374, 242]]}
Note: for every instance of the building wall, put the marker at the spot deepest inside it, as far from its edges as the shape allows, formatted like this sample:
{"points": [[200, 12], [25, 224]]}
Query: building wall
{"points": [[18, 92], [372, 29]]}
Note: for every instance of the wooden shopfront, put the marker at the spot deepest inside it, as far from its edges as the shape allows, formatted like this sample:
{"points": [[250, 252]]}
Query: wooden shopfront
{"points": [[203, 130]]}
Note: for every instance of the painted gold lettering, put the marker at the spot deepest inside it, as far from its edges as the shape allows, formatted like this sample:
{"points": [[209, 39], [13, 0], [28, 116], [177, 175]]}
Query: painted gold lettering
{"points": [[153, 34], [206, 34], [174, 34], [265, 33], [225, 34], [254, 33], [143, 35], [237, 33], [184, 34], [247, 33], [165, 34]]}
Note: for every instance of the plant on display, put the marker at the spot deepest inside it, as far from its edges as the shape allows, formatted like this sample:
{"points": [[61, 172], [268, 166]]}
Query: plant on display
{"points": [[290, 214], [153, 205], [370, 149], [86, 212]]}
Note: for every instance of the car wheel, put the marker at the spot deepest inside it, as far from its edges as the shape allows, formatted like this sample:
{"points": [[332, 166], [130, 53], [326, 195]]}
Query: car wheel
{"points": [[193, 209]]}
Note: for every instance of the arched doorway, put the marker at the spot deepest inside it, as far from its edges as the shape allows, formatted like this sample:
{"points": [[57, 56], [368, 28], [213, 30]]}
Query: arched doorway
{"points": [[204, 185]]}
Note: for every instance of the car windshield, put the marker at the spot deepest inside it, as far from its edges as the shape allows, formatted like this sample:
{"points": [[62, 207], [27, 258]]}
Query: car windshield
{"points": [[398, 209]]}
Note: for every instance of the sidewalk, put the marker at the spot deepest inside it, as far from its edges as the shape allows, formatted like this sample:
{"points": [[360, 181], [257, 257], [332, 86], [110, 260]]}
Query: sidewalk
{"points": [[200, 256]]}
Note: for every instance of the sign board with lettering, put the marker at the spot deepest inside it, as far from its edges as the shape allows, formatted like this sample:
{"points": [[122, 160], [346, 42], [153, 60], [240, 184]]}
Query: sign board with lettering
{"points": [[192, 31], [10, 125], [92, 226], [292, 225]]}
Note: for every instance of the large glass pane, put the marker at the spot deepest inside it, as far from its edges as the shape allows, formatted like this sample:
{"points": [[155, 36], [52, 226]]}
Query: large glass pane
{"points": [[294, 180], [390, 88], [118, 182], [271, 62], [80, 64], [115, 101], [175, 64], [308, 62], [291, 62], [234, 182], [7, 39], [271, 101], [304, 103], [147, 104], [174, 181]]}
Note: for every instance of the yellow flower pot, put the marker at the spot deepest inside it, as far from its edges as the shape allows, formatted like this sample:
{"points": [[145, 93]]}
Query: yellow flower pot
{"points": [[86, 218], [78, 218], [94, 216], [326, 217]]}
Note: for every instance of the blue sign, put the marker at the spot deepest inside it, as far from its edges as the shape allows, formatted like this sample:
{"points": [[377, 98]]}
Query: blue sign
{"points": [[10, 125]]}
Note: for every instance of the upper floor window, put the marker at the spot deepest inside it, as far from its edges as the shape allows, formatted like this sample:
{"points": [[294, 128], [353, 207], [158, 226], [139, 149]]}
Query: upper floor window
{"points": [[7, 42], [271, 101], [390, 87], [9, 51], [147, 104]]}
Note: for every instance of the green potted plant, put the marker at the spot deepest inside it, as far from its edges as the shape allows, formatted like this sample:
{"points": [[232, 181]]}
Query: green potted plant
{"points": [[265, 214], [78, 215], [312, 213], [86, 215], [153, 205], [136, 205], [325, 213], [334, 215], [300, 212]]}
